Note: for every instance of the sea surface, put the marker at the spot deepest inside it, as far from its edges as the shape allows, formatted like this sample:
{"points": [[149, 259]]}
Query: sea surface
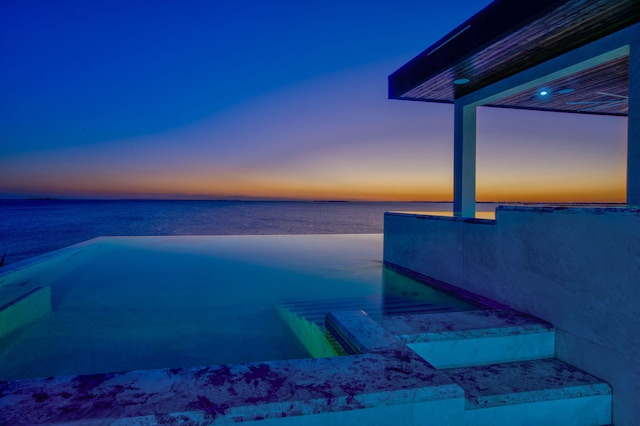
{"points": [[32, 227]]}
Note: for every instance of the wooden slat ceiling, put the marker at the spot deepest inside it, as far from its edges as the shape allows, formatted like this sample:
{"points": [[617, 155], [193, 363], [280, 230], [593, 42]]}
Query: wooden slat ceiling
{"points": [[599, 90], [510, 36]]}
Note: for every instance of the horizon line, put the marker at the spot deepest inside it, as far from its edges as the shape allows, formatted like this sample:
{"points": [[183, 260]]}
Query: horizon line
{"points": [[295, 200]]}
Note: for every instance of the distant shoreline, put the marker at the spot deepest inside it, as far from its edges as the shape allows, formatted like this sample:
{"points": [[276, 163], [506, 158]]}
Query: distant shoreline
{"points": [[567, 203]]}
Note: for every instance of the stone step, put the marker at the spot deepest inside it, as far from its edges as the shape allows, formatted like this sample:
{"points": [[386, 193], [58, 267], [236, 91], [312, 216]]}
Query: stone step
{"points": [[459, 339], [539, 392], [533, 392]]}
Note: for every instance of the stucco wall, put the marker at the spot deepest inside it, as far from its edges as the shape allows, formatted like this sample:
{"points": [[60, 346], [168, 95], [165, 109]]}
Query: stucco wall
{"points": [[578, 268]]}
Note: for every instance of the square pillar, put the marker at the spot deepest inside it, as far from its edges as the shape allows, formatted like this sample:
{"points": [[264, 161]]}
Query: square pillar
{"points": [[464, 160], [633, 125]]}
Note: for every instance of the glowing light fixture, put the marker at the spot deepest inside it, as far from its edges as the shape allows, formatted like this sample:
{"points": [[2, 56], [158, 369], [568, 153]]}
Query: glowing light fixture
{"points": [[543, 92], [461, 81]]}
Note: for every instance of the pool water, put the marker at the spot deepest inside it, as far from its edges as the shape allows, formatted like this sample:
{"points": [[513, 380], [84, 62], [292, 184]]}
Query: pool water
{"points": [[129, 303]]}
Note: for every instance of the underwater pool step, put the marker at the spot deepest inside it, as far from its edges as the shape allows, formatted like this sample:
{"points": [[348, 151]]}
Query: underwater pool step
{"points": [[459, 339], [315, 311], [546, 391], [430, 308], [318, 317]]}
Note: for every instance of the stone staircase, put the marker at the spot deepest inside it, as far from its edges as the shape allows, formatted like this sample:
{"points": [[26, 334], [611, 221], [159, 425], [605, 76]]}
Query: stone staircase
{"points": [[460, 339], [503, 360]]}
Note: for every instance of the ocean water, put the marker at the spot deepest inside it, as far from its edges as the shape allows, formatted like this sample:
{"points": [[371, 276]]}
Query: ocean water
{"points": [[32, 227]]}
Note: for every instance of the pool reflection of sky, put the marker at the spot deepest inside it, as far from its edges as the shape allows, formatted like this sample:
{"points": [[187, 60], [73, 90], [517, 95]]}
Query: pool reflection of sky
{"points": [[256, 99], [193, 300]]}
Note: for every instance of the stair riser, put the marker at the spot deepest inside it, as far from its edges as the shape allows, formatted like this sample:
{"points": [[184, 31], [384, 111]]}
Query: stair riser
{"points": [[487, 350], [585, 411]]}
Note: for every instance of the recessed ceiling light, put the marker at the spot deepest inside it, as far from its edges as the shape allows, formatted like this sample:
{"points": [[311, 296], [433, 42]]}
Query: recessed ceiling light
{"points": [[566, 90], [461, 81], [543, 92]]}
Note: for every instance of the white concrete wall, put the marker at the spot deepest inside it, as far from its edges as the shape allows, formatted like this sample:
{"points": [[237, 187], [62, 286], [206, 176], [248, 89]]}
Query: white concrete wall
{"points": [[578, 268]]}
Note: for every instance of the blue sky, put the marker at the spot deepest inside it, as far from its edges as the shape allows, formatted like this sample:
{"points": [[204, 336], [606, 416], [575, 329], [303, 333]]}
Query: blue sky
{"points": [[250, 99]]}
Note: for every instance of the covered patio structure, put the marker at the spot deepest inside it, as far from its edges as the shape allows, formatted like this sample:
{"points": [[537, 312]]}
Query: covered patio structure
{"points": [[549, 55], [577, 267]]}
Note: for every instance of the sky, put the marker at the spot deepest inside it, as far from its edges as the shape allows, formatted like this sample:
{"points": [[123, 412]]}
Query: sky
{"points": [[247, 99]]}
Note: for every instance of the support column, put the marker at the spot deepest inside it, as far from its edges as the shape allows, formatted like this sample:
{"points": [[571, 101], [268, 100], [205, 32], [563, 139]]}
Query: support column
{"points": [[464, 160], [633, 125]]}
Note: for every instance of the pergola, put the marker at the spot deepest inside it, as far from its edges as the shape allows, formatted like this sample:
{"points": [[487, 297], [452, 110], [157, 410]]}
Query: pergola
{"points": [[576, 56]]}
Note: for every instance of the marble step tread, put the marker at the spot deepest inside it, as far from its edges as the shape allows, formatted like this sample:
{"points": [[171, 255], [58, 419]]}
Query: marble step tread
{"points": [[463, 325], [524, 382]]}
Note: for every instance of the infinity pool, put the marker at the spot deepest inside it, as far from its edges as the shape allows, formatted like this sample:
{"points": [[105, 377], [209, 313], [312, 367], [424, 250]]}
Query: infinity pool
{"points": [[129, 303]]}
